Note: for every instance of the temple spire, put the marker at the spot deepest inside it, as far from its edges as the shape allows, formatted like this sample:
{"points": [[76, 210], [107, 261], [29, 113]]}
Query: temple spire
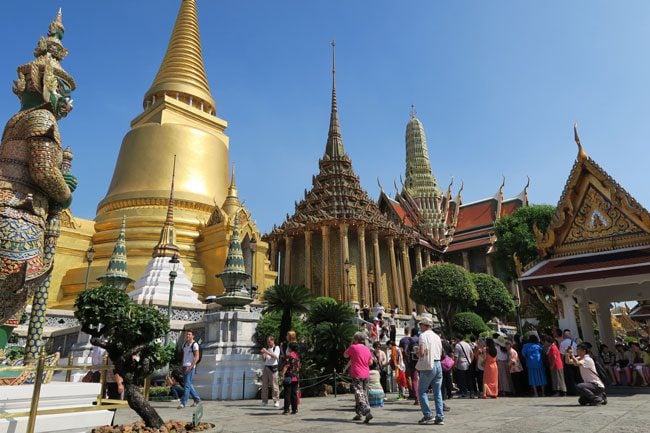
{"points": [[116, 272], [182, 73], [166, 246], [334, 148], [232, 203]]}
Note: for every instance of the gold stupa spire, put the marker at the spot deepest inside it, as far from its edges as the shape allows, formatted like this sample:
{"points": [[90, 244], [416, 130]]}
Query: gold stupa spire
{"points": [[232, 204], [167, 244], [182, 74]]}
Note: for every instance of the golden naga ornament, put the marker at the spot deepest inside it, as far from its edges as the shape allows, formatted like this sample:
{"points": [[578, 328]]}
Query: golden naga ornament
{"points": [[35, 180]]}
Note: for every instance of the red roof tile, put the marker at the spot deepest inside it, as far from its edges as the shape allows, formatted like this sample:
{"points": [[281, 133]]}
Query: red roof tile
{"points": [[589, 267], [401, 213], [477, 214], [458, 246]]}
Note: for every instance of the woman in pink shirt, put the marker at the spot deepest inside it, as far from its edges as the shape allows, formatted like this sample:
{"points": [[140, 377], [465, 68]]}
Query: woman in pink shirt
{"points": [[555, 367], [360, 362]]}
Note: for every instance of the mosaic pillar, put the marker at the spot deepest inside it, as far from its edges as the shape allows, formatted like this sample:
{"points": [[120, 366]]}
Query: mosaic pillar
{"points": [[377, 259], [274, 255], [406, 264], [325, 230], [365, 294], [287, 260], [393, 271], [308, 259], [344, 255], [418, 259]]}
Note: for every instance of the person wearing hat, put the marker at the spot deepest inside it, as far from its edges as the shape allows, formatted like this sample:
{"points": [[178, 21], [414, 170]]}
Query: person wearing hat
{"points": [[592, 389], [430, 372]]}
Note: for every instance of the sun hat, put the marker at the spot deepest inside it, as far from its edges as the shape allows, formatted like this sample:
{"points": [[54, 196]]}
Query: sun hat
{"points": [[426, 321], [501, 341]]}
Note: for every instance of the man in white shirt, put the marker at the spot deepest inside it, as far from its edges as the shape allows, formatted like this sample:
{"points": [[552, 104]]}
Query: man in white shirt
{"points": [[271, 354], [463, 355], [592, 389], [570, 371], [190, 359], [430, 372]]}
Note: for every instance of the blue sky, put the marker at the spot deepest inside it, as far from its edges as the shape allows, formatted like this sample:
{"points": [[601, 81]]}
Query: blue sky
{"points": [[497, 85]]}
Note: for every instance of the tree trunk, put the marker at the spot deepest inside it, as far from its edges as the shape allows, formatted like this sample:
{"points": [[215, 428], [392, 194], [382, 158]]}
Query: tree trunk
{"points": [[141, 406]]}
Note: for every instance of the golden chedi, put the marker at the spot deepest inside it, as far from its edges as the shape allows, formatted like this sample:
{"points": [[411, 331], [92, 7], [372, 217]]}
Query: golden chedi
{"points": [[179, 118]]}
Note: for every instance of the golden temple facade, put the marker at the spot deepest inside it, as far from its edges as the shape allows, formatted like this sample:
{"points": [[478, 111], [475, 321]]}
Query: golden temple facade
{"points": [[179, 119], [338, 224]]}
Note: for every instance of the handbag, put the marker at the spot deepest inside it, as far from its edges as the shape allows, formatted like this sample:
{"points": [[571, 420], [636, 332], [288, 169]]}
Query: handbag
{"points": [[447, 363]]}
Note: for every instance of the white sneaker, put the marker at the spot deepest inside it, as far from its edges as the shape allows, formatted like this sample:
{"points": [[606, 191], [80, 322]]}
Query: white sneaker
{"points": [[181, 406], [276, 404]]}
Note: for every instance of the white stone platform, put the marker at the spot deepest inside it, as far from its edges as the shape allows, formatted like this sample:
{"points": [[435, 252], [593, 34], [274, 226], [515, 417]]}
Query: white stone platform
{"points": [[53, 396]]}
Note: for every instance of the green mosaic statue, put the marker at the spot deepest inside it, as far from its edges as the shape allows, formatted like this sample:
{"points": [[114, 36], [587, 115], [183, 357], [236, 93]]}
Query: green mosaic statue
{"points": [[35, 181]]}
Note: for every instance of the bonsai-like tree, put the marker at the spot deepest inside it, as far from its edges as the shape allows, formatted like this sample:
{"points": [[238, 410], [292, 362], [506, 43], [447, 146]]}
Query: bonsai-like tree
{"points": [[468, 323], [447, 288], [128, 331], [289, 300], [494, 299]]}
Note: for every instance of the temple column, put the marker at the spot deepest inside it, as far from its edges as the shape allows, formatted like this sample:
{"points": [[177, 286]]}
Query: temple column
{"points": [[605, 328], [287, 260], [427, 259], [393, 271], [466, 260], [273, 255], [377, 259], [488, 264], [345, 255], [567, 318], [361, 233], [308, 259], [586, 324], [418, 259], [325, 231], [406, 264]]}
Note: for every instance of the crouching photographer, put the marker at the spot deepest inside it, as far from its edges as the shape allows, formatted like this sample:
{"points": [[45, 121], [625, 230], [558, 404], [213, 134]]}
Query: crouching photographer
{"points": [[592, 388]]}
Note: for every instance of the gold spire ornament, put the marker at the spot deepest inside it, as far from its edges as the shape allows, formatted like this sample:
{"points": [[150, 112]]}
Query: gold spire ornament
{"points": [[167, 244], [182, 73]]}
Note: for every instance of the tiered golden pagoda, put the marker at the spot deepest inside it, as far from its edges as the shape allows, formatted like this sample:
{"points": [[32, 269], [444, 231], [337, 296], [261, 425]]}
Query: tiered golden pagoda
{"points": [[328, 231], [179, 118]]}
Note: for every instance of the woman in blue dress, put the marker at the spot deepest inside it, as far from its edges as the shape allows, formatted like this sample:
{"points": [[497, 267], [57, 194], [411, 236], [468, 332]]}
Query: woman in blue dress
{"points": [[533, 353]]}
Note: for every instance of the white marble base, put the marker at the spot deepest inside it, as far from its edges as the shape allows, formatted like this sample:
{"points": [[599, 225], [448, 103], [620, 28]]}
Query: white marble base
{"points": [[153, 286], [53, 396], [230, 357]]}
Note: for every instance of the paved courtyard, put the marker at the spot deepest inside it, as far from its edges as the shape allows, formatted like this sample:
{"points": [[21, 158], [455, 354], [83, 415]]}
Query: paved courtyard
{"points": [[628, 414]]}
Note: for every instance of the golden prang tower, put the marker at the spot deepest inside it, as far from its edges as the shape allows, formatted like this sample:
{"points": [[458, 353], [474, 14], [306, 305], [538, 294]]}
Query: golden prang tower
{"points": [[179, 118]]}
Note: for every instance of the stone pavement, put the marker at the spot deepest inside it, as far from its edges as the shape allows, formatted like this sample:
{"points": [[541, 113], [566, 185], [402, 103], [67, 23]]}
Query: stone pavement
{"points": [[628, 414]]}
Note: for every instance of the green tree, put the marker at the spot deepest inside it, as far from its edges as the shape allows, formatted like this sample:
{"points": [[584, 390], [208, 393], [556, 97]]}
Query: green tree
{"points": [[269, 324], [468, 323], [128, 331], [494, 299], [289, 300], [447, 288], [332, 327], [514, 235]]}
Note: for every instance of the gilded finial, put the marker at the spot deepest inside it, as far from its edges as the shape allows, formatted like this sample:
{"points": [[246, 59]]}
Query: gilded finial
{"points": [[412, 111], [503, 183], [232, 177], [56, 28], [381, 188], [449, 187], [333, 44], [581, 152]]}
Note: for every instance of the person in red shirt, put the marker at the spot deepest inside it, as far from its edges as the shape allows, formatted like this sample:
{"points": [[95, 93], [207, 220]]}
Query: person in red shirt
{"points": [[359, 365], [555, 367]]}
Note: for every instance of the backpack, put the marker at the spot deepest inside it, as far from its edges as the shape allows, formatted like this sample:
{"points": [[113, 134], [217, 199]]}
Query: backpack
{"points": [[412, 351], [200, 351]]}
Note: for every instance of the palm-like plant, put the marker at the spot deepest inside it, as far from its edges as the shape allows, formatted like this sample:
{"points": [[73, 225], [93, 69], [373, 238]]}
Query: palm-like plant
{"points": [[288, 299], [328, 310]]}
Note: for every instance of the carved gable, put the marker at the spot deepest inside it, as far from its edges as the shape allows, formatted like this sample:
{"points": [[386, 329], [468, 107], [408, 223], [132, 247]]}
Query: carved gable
{"points": [[594, 214]]}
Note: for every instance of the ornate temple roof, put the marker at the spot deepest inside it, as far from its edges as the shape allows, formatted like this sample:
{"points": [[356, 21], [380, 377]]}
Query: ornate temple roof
{"points": [[336, 194], [594, 214], [420, 181], [182, 70]]}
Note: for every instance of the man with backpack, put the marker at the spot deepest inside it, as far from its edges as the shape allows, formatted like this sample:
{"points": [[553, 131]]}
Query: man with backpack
{"points": [[592, 388], [191, 357]]}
